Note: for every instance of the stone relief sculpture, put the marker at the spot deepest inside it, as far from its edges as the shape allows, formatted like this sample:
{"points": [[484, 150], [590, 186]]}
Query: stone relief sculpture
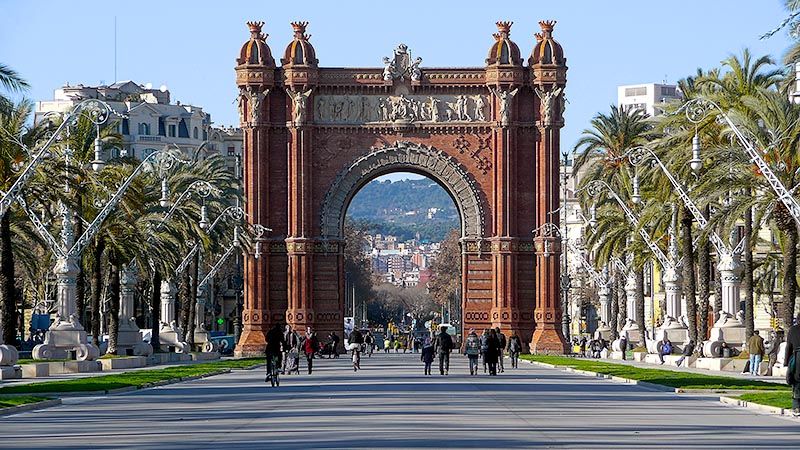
{"points": [[255, 96], [240, 103], [505, 97], [398, 108], [548, 102], [299, 99], [416, 72], [479, 106]]}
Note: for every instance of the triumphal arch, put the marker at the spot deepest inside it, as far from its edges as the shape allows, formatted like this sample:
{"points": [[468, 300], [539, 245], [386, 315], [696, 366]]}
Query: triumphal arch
{"points": [[489, 135]]}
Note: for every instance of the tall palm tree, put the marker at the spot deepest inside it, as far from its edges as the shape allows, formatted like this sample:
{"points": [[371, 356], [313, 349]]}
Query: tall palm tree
{"points": [[11, 81], [604, 147], [15, 137], [744, 76]]}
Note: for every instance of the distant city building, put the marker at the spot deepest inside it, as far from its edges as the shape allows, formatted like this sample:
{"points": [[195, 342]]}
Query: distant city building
{"points": [[150, 121], [645, 97]]}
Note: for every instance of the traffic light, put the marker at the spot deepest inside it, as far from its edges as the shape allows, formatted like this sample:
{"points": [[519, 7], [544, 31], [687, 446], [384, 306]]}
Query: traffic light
{"points": [[220, 321]]}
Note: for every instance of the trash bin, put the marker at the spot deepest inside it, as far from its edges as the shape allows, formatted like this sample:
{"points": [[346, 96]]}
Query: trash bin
{"points": [[726, 352]]}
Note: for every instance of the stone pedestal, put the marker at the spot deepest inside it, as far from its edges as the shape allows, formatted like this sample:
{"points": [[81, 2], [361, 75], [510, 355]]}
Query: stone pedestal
{"points": [[129, 340], [202, 340], [8, 354], [66, 337], [10, 372], [169, 334]]}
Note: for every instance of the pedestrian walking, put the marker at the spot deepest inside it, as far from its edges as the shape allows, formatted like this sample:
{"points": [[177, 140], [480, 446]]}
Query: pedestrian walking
{"points": [[472, 349], [427, 355], [515, 348], [443, 346], [501, 340], [334, 340], [771, 350], [755, 346], [582, 346], [369, 340], [688, 349], [491, 352], [310, 347], [387, 345], [484, 347], [792, 358], [292, 355]]}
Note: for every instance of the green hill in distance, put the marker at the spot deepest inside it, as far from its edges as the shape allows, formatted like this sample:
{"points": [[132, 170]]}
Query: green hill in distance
{"points": [[404, 208]]}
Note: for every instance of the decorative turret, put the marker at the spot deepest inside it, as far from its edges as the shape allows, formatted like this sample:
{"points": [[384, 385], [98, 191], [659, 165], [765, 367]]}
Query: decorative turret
{"points": [[256, 52], [299, 52], [504, 65], [300, 71], [547, 50], [504, 51]]}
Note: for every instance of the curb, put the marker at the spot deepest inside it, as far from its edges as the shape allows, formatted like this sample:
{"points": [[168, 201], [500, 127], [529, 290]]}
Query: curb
{"points": [[29, 407], [735, 402], [643, 384]]}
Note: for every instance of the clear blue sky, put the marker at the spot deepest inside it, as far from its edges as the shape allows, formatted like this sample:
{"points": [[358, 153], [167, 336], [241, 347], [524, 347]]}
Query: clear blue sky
{"points": [[191, 46]]}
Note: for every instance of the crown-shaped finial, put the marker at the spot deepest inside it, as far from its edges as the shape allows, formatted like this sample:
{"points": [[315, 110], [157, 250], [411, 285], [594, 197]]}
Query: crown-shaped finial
{"points": [[300, 30], [547, 26], [255, 28], [504, 27], [539, 37]]}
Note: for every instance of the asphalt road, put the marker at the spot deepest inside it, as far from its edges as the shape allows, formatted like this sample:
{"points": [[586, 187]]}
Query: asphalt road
{"points": [[390, 404]]}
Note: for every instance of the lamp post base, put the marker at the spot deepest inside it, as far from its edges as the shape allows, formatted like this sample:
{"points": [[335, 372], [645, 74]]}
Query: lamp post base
{"points": [[169, 336], [60, 342]]}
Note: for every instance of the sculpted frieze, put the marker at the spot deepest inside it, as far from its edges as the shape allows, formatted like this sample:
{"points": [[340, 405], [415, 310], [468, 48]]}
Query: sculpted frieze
{"points": [[366, 109]]}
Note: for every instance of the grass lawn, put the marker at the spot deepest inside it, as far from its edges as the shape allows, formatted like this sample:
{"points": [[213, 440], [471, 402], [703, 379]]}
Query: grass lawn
{"points": [[6, 402], [778, 399], [683, 380], [137, 378]]}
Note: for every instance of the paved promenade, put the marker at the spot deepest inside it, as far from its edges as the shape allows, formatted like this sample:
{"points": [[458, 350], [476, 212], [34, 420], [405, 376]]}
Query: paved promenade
{"points": [[390, 404]]}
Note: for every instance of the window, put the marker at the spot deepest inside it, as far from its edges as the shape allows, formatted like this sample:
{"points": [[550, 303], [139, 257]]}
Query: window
{"points": [[172, 131], [183, 130], [669, 91], [231, 150], [147, 152], [126, 127], [195, 134], [144, 129], [161, 130], [205, 135], [634, 91]]}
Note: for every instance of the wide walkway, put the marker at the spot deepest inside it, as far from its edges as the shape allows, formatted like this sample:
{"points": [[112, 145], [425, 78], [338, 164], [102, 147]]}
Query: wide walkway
{"points": [[390, 404]]}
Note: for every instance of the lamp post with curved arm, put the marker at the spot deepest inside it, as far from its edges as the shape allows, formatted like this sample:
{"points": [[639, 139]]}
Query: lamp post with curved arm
{"points": [[66, 336], [671, 277], [729, 264]]}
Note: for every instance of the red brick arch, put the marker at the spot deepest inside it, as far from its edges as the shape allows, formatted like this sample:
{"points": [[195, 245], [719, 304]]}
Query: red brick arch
{"points": [[489, 135]]}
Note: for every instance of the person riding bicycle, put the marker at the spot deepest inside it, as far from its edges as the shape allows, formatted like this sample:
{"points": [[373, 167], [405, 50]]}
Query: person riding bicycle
{"points": [[276, 344], [355, 342]]}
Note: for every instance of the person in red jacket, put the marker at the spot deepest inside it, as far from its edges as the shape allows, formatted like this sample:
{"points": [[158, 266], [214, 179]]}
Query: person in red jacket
{"points": [[310, 347]]}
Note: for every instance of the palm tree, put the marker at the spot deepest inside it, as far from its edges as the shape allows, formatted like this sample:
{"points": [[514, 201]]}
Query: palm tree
{"points": [[11, 82], [773, 123], [746, 76], [15, 137], [604, 146]]}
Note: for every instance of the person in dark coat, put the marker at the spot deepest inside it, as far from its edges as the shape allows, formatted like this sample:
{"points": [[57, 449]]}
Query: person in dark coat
{"points": [[443, 346], [501, 339], [514, 349], [274, 349], [793, 374], [426, 355], [492, 352]]}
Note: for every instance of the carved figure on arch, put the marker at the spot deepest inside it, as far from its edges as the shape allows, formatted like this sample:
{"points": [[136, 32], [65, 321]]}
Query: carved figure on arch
{"points": [[479, 106], [434, 102], [255, 96], [299, 99], [505, 97], [548, 104]]}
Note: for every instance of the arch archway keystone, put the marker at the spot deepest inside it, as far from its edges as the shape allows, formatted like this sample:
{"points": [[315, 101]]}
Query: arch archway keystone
{"points": [[489, 135], [406, 156]]}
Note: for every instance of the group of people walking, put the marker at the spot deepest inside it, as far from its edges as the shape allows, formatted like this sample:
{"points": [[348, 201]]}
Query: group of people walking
{"points": [[490, 346], [284, 347]]}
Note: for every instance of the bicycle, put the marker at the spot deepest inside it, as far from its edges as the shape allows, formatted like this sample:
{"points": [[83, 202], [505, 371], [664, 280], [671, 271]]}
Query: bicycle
{"points": [[274, 370]]}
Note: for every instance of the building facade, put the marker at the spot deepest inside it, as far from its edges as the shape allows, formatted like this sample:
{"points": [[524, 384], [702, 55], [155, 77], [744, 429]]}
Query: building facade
{"points": [[646, 96]]}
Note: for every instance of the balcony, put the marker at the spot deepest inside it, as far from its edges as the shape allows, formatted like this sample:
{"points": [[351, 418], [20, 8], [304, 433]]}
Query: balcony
{"points": [[143, 138]]}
